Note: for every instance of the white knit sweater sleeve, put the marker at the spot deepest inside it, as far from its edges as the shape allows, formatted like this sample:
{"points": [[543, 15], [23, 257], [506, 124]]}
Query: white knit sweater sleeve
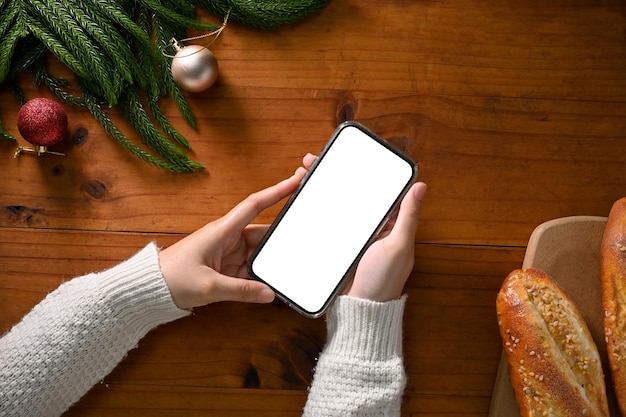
{"points": [[79, 333], [360, 371]]}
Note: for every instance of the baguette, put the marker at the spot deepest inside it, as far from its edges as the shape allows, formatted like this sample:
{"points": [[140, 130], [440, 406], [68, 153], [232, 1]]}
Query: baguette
{"points": [[554, 364], [613, 276]]}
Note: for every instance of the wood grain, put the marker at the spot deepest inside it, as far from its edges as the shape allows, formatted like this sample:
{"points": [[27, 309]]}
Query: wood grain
{"points": [[481, 171], [515, 112]]}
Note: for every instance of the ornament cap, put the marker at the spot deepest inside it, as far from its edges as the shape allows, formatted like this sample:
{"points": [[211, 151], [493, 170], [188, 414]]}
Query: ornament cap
{"points": [[39, 150], [176, 45]]}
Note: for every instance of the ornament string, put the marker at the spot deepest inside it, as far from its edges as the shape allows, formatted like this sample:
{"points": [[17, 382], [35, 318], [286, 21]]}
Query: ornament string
{"points": [[177, 45]]}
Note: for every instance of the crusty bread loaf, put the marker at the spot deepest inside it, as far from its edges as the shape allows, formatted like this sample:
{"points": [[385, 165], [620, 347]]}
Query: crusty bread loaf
{"points": [[613, 277], [554, 364]]}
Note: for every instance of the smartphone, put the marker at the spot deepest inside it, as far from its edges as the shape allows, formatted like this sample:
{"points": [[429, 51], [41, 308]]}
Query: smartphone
{"points": [[339, 208]]}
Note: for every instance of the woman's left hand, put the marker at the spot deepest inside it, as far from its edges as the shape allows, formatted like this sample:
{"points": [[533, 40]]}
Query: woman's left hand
{"points": [[210, 265]]}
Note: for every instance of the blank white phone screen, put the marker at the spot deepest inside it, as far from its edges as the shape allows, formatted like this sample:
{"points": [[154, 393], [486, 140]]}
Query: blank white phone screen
{"points": [[337, 211]]}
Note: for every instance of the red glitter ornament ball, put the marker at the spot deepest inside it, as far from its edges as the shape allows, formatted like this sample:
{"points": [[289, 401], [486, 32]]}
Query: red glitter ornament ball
{"points": [[42, 122]]}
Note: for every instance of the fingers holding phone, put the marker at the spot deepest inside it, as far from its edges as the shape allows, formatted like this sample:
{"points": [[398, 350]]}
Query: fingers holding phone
{"points": [[386, 265], [339, 208]]}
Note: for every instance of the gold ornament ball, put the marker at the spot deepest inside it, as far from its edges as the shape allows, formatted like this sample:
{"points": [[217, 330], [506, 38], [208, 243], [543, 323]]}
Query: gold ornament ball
{"points": [[194, 68]]}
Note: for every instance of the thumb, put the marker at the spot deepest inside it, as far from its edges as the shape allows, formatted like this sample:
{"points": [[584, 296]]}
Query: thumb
{"points": [[409, 213], [241, 290]]}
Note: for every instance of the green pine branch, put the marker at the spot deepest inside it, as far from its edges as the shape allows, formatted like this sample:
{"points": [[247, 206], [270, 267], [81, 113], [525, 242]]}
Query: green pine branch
{"points": [[103, 33], [119, 137], [113, 49], [34, 52], [37, 29], [162, 35], [4, 135], [137, 116], [177, 18], [7, 18], [11, 31], [58, 86], [264, 14], [83, 47], [152, 94]]}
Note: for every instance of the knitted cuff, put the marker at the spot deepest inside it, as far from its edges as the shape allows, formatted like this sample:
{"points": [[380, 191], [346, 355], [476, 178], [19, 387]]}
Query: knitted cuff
{"points": [[137, 292], [365, 329]]}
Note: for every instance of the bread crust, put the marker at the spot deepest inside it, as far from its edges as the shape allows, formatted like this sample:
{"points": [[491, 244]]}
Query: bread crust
{"points": [[613, 278], [554, 364]]}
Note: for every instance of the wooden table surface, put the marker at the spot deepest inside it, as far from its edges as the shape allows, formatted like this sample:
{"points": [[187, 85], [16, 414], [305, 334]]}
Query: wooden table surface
{"points": [[514, 111]]}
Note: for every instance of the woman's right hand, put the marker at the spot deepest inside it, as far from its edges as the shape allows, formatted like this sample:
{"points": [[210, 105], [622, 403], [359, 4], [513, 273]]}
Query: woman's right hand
{"points": [[388, 262]]}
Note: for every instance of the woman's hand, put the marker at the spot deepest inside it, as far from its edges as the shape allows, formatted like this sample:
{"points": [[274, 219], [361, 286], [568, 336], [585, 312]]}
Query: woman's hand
{"points": [[210, 265], [388, 262]]}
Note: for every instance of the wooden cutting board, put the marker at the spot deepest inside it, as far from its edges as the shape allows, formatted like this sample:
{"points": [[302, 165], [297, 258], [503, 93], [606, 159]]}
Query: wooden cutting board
{"points": [[568, 249]]}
